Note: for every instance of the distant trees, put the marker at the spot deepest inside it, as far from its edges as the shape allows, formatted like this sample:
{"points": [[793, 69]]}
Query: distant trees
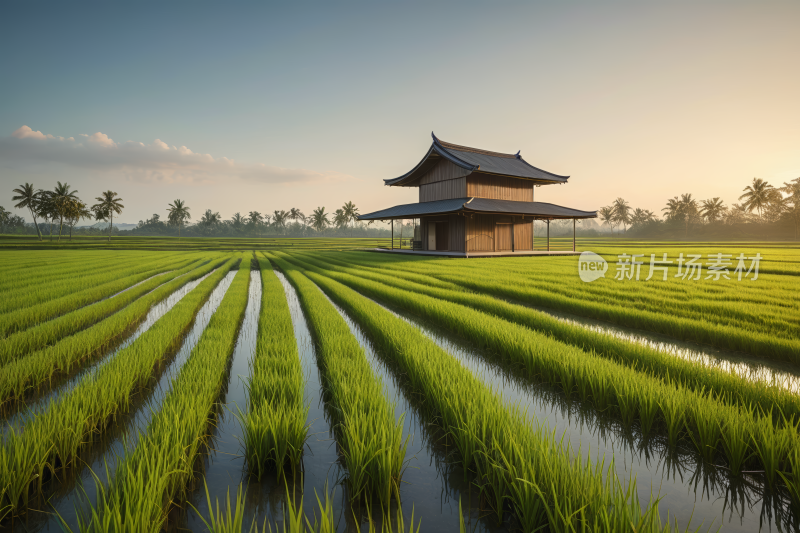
{"points": [[178, 215], [758, 196], [28, 198], [319, 219], [712, 210], [107, 204]]}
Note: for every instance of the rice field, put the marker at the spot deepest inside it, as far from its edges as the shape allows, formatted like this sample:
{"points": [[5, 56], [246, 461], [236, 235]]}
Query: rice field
{"points": [[311, 385]]}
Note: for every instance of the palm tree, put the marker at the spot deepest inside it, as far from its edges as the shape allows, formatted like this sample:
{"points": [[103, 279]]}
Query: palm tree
{"points": [[673, 208], [62, 196], [792, 189], [108, 204], [279, 218], [255, 218], [351, 213], [178, 214], [238, 221], [210, 219], [319, 219], [46, 207], [641, 216], [339, 218], [622, 212], [28, 197], [74, 211], [712, 209], [607, 216], [295, 214], [757, 195]]}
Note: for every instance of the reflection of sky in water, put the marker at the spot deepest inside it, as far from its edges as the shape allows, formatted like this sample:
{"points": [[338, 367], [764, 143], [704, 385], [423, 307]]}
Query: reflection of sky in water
{"points": [[683, 482], [71, 496], [743, 365]]}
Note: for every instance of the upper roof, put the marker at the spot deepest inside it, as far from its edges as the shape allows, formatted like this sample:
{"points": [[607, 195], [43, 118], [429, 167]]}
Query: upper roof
{"points": [[475, 160], [478, 205]]}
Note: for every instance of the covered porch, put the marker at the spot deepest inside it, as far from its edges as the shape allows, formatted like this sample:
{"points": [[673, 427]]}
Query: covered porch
{"points": [[443, 253]]}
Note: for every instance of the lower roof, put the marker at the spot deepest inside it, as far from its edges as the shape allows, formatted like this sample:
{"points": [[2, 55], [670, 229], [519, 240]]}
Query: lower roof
{"points": [[478, 205]]}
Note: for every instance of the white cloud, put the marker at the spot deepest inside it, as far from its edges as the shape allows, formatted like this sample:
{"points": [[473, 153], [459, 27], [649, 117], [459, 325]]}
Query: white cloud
{"points": [[155, 162]]}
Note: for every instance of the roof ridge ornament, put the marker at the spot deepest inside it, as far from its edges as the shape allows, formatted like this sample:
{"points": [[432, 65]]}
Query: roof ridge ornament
{"points": [[517, 155], [436, 140]]}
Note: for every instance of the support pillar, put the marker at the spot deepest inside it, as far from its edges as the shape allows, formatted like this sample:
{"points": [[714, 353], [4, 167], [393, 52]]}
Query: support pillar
{"points": [[573, 234], [392, 234], [548, 234]]}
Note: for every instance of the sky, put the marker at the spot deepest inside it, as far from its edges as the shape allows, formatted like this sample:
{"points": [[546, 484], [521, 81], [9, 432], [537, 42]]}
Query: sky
{"points": [[240, 107]]}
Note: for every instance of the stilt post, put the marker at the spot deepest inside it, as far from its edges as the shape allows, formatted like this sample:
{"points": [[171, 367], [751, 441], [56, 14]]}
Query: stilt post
{"points": [[548, 234], [573, 234], [392, 234]]}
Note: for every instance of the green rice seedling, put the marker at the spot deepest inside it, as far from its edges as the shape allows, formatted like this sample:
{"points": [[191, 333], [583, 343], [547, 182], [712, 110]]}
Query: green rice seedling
{"points": [[792, 478], [672, 411], [539, 355], [275, 426], [627, 403], [648, 410], [370, 438], [26, 317], [52, 439], [540, 468], [20, 344], [156, 472], [38, 369], [704, 429], [666, 366], [735, 440], [772, 448]]}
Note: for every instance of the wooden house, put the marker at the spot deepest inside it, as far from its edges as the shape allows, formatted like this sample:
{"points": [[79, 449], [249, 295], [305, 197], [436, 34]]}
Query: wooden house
{"points": [[473, 201]]}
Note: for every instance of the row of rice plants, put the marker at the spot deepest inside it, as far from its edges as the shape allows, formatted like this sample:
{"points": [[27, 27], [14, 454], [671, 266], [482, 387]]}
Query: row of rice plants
{"points": [[742, 435], [757, 337], [275, 424], [26, 317], [35, 285], [93, 273], [52, 439], [370, 439], [18, 345], [727, 388], [154, 473], [517, 460], [38, 368]]}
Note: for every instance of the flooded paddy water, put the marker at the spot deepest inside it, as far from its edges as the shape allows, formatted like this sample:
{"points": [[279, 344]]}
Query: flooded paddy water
{"points": [[69, 495], [693, 492]]}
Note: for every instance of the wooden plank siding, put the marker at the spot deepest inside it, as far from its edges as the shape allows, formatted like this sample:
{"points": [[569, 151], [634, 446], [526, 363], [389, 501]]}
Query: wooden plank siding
{"points": [[480, 233], [499, 188], [454, 232], [502, 237], [443, 171], [523, 235], [443, 190]]}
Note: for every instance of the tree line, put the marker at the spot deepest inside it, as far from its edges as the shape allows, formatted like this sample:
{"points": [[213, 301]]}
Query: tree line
{"points": [[62, 207], [761, 203]]}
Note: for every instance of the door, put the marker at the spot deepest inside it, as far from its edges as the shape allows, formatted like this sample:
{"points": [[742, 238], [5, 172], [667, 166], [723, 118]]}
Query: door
{"points": [[502, 237], [431, 236], [442, 236]]}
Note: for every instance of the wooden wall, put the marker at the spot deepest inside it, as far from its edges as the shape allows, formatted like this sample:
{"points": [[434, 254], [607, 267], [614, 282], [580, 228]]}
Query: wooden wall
{"points": [[484, 234], [499, 188], [455, 231], [443, 171], [443, 190]]}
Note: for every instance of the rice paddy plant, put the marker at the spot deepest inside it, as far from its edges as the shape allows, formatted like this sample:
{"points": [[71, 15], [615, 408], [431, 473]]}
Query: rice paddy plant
{"points": [[735, 439], [542, 357], [52, 439], [38, 368], [275, 425], [22, 318], [756, 335], [370, 439], [542, 472], [774, 449], [155, 472], [627, 402], [705, 429], [34, 286], [20, 344], [691, 374]]}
